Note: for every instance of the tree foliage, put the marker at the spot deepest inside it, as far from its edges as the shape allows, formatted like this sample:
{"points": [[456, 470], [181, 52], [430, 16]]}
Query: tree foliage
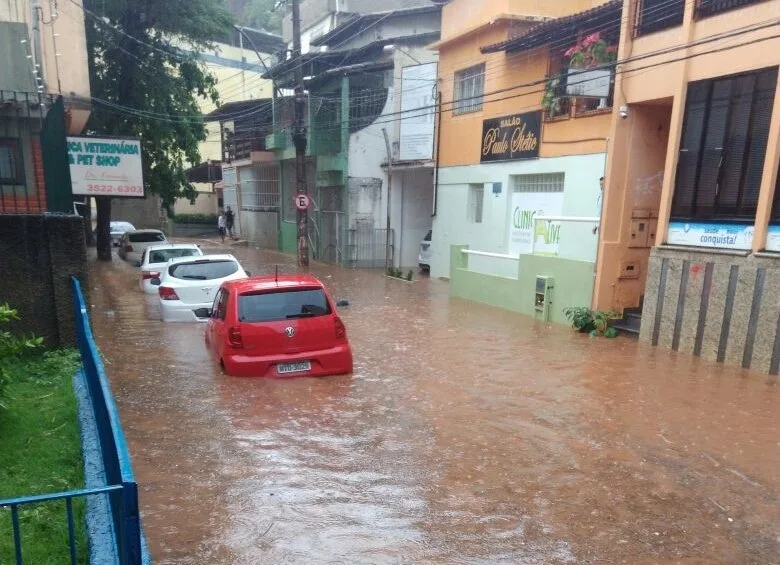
{"points": [[263, 14], [146, 81]]}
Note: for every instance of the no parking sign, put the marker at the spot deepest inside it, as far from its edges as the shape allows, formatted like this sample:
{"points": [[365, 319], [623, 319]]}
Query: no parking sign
{"points": [[302, 202]]}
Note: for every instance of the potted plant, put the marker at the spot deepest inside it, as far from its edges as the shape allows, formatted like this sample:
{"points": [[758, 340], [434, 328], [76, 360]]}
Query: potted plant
{"points": [[590, 52], [551, 102], [588, 58]]}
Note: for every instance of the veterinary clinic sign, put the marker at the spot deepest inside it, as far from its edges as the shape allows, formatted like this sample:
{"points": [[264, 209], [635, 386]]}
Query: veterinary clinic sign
{"points": [[511, 137], [106, 167], [529, 236]]}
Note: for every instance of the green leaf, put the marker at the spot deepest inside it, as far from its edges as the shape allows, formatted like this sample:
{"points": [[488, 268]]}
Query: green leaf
{"points": [[610, 333]]}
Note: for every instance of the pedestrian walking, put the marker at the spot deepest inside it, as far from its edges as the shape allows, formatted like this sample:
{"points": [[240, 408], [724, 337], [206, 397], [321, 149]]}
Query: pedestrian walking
{"points": [[222, 225], [229, 222]]}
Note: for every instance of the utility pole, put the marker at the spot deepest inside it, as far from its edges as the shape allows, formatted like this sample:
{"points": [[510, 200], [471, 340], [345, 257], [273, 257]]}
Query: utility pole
{"points": [[389, 239], [299, 136]]}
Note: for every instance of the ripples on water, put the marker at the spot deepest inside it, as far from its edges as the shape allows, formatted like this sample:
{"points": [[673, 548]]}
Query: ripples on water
{"points": [[466, 435]]}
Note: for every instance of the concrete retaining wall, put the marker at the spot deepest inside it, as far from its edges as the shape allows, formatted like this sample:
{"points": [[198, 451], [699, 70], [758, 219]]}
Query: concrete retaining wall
{"points": [[722, 306], [38, 254]]}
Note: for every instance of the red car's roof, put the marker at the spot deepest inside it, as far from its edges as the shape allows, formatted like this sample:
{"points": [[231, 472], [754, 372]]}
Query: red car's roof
{"points": [[271, 282]]}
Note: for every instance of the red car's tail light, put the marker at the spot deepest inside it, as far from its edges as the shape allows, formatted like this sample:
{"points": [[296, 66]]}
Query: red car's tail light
{"points": [[167, 293], [146, 275], [341, 331], [234, 337]]}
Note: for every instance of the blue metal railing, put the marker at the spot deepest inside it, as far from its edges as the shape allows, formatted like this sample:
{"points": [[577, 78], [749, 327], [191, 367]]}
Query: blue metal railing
{"points": [[121, 489]]}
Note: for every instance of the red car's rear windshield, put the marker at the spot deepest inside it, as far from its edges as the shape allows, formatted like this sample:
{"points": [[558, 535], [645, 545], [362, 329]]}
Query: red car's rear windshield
{"points": [[282, 305]]}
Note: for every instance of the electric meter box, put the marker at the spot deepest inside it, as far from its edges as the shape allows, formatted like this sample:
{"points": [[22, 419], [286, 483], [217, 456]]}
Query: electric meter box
{"points": [[543, 297]]}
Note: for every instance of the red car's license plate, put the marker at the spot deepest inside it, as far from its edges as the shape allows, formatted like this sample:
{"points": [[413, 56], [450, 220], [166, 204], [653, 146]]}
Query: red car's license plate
{"points": [[287, 368]]}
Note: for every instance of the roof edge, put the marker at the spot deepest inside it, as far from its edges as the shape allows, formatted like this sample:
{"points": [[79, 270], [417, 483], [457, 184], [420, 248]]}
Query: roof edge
{"points": [[499, 19]]}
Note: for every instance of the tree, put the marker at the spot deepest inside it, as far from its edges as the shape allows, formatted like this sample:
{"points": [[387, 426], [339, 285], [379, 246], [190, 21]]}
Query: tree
{"points": [[146, 81], [263, 14]]}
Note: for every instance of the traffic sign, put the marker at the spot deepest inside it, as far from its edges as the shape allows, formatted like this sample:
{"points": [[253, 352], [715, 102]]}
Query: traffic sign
{"points": [[302, 201]]}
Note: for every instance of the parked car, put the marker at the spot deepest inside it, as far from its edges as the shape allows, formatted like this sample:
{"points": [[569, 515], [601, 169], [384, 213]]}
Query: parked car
{"points": [[424, 258], [277, 326], [187, 286], [117, 230], [133, 243], [155, 257]]}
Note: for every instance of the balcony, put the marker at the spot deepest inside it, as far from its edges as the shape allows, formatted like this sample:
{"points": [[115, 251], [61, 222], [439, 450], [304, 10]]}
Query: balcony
{"points": [[706, 8], [657, 15]]}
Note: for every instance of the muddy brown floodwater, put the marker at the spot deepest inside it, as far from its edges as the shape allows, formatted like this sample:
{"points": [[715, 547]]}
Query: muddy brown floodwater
{"points": [[467, 435]]}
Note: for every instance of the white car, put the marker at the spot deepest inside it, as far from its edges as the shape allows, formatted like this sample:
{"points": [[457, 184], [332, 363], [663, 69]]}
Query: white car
{"points": [[133, 243], [189, 284], [154, 259], [424, 258]]}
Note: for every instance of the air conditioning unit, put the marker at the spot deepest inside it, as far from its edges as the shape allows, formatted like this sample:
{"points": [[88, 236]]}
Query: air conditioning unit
{"points": [[543, 297]]}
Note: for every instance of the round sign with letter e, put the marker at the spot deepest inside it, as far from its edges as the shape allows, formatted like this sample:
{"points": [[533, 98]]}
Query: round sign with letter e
{"points": [[302, 201]]}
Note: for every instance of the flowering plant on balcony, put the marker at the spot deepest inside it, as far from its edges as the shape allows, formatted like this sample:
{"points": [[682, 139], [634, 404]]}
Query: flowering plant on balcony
{"points": [[591, 51]]}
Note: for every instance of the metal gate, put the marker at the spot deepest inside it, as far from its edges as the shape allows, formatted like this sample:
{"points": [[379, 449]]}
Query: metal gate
{"points": [[367, 245], [331, 224]]}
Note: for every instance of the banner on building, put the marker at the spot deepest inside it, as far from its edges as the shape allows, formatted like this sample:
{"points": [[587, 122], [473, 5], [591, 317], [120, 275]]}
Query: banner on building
{"points": [[418, 101], [512, 137], [109, 166], [720, 236], [528, 236], [773, 239]]}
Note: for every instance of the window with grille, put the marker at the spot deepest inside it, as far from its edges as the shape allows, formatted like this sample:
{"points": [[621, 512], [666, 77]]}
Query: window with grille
{"points": [[548, 182], [10, 162], [723, 146], [711, 7], [476, 202], [469, 89], [655, 15]]}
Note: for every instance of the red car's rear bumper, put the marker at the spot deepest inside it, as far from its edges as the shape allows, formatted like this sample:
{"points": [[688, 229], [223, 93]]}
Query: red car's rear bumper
{"points": [[333, 361]]}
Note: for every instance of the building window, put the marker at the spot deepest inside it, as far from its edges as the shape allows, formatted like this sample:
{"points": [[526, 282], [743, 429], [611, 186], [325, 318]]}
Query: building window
{"points": [[549, 182], [469, 89], [711, 7], [655, 15], [723, 145], [476, 202], [10, 162]]}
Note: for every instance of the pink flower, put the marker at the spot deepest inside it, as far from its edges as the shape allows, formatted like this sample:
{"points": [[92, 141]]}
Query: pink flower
{"points": [[591, 39], [571, 51], [612, 49]]}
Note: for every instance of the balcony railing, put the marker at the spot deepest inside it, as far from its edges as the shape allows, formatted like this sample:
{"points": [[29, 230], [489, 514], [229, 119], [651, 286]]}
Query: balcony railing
{"points": [[711, 7], [656, 15]]}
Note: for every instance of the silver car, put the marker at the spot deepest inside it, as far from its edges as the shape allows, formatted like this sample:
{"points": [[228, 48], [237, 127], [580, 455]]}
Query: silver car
{"points": [[133, 243]]}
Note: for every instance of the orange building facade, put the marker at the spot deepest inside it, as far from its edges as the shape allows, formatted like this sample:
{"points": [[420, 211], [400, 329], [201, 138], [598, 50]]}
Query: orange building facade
{"points": [[495, 62], [691, 234]]}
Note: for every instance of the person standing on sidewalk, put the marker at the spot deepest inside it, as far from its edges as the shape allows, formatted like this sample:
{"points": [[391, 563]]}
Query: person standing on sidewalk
{"points": [[599, 204], [229, 222], [222, 225]]}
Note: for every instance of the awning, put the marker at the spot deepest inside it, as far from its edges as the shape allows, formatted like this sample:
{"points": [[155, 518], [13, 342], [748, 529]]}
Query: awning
{"points": [[606, 16]]}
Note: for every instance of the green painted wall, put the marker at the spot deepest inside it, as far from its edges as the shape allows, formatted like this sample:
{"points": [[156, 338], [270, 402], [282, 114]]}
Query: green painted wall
{"points": [[288, 237], [573, 283]]}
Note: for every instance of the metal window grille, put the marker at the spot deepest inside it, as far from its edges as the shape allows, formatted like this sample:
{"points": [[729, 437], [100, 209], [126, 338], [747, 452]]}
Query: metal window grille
{"points": [[261, 193], [469, 89], [548, 182], [655, 15], [476, 202], [711, 7]]}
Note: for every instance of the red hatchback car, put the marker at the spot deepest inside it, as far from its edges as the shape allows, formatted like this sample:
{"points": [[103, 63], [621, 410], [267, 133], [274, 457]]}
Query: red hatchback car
{"points": [[277, 326]]}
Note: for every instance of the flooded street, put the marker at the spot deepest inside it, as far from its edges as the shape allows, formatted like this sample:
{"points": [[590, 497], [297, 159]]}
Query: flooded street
{"points": [[467, 435]]}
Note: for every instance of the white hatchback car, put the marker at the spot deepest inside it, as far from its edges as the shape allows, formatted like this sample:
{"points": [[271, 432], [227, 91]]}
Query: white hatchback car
{"points": [[189, 284], [155, 257]]}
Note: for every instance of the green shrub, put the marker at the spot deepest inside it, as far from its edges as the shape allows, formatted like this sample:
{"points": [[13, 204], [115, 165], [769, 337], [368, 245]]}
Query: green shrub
{"points": [[12, 347], [210, 219], [592, 322]]}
